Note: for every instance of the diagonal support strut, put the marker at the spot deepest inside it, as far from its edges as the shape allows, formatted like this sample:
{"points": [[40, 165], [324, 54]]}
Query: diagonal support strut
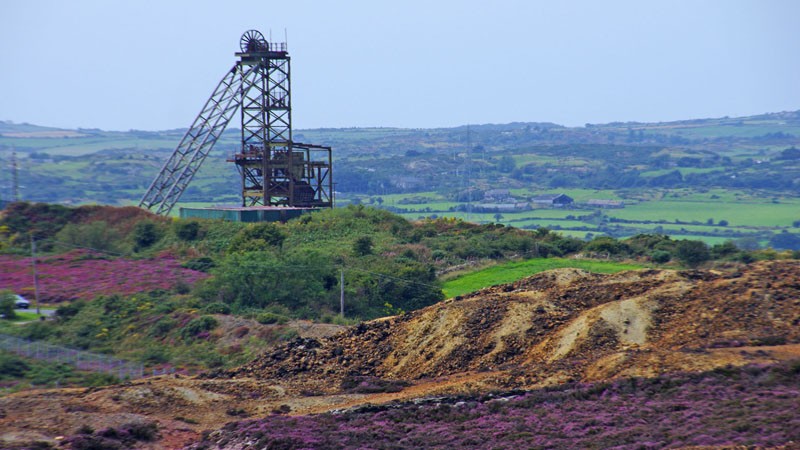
{"points": [[198, 141]]}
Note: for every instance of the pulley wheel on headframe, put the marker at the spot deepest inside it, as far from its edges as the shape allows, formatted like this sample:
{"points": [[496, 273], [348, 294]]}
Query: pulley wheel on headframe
{"points": [[252, 41]]}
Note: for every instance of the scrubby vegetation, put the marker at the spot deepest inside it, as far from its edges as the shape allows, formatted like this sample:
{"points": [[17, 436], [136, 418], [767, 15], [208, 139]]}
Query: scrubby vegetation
{"points": [[750, 406], [158, 290], [129, 435], [18, 373], [158, 329]]}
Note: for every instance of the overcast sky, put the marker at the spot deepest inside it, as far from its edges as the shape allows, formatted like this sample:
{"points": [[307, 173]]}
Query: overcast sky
{"points": [[151, 65]]}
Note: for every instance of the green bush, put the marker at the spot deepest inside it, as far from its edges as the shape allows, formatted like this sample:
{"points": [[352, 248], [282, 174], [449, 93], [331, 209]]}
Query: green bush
{"points": [[725, 250], [69, 310], [198, 325], [163, 326], [362, 246], [660, 256], [145, 234], [217, 308], [692, 253], [268, 318], [202, 264], [50, 374], [95, 235], [37, 331], [607, 245], [258, 237], [154, 354], [7, 305], [187, 230], [12, 366], [181, 287]]}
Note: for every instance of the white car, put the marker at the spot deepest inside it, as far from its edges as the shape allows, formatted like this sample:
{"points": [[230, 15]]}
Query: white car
{"points": [[20, 302]]}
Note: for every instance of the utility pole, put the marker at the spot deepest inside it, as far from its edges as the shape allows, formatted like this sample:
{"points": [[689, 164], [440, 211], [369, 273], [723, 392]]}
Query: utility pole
{"points": [[14, 178], [341, 297], [35, 275], [469, 174]]}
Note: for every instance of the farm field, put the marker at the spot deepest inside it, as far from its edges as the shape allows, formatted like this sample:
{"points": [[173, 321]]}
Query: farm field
{"points": [[513, 271], [749, 214], [710, 215]]}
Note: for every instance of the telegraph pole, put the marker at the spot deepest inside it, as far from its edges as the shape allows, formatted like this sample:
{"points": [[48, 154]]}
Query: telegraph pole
{"points": [[14, 178], [341, 297], [35, 275]]}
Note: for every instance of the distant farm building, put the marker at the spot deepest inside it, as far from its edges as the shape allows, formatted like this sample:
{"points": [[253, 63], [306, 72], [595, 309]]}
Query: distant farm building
{"points": [[601, 203], [552, 201]]}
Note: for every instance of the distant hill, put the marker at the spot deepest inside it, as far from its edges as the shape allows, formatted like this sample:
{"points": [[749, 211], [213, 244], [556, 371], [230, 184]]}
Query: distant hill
{"points": [[629, 160]]}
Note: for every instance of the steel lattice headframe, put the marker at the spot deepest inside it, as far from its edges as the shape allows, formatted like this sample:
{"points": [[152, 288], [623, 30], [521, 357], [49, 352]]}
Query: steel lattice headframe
{"points": [[274, 170]]}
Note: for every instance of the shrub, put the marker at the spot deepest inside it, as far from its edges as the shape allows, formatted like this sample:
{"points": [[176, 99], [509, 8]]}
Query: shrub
{"points": [[268, 318], [660, 256], [608, 245], [7, 305], [69, 310], [181, 287], [163, 326], [692, 253], [12, 366], [145, 234], [187, 230], [37, 331], [362, 246], [217, 308], [198, 325], [258, 237], [202, 264], [154, 355], [726, 249], [96, 235]]}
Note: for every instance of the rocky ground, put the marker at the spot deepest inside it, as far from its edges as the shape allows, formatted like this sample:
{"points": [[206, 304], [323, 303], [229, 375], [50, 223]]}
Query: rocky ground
{"points": [[558, 326]]}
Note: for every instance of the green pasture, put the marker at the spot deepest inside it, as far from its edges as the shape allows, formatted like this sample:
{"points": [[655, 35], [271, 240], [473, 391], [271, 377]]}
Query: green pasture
{"points": [[763, 214], [578, 234], [683, 170], [513, 271], [709, 240], [84, 146], [552, 224], [745, 210], [582, 195]]}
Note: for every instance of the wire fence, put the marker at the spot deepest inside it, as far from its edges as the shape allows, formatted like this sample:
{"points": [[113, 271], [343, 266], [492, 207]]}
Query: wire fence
{"points": [[80, 359]]}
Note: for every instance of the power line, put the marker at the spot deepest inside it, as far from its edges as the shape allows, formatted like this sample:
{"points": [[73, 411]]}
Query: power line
{"points": [[402, 280]]}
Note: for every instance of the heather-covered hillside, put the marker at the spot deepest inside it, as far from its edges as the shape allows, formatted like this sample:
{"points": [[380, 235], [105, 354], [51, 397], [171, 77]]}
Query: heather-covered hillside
{"points": [[750, 406]]}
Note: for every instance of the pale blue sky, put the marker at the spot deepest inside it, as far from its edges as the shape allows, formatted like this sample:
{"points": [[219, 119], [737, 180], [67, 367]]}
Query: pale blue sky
{"points": [[151, 65]]}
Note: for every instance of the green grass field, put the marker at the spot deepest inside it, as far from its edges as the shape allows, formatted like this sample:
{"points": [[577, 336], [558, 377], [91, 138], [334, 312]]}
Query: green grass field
{"points": [[513, 271], [740, 213], [747, 211]]}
